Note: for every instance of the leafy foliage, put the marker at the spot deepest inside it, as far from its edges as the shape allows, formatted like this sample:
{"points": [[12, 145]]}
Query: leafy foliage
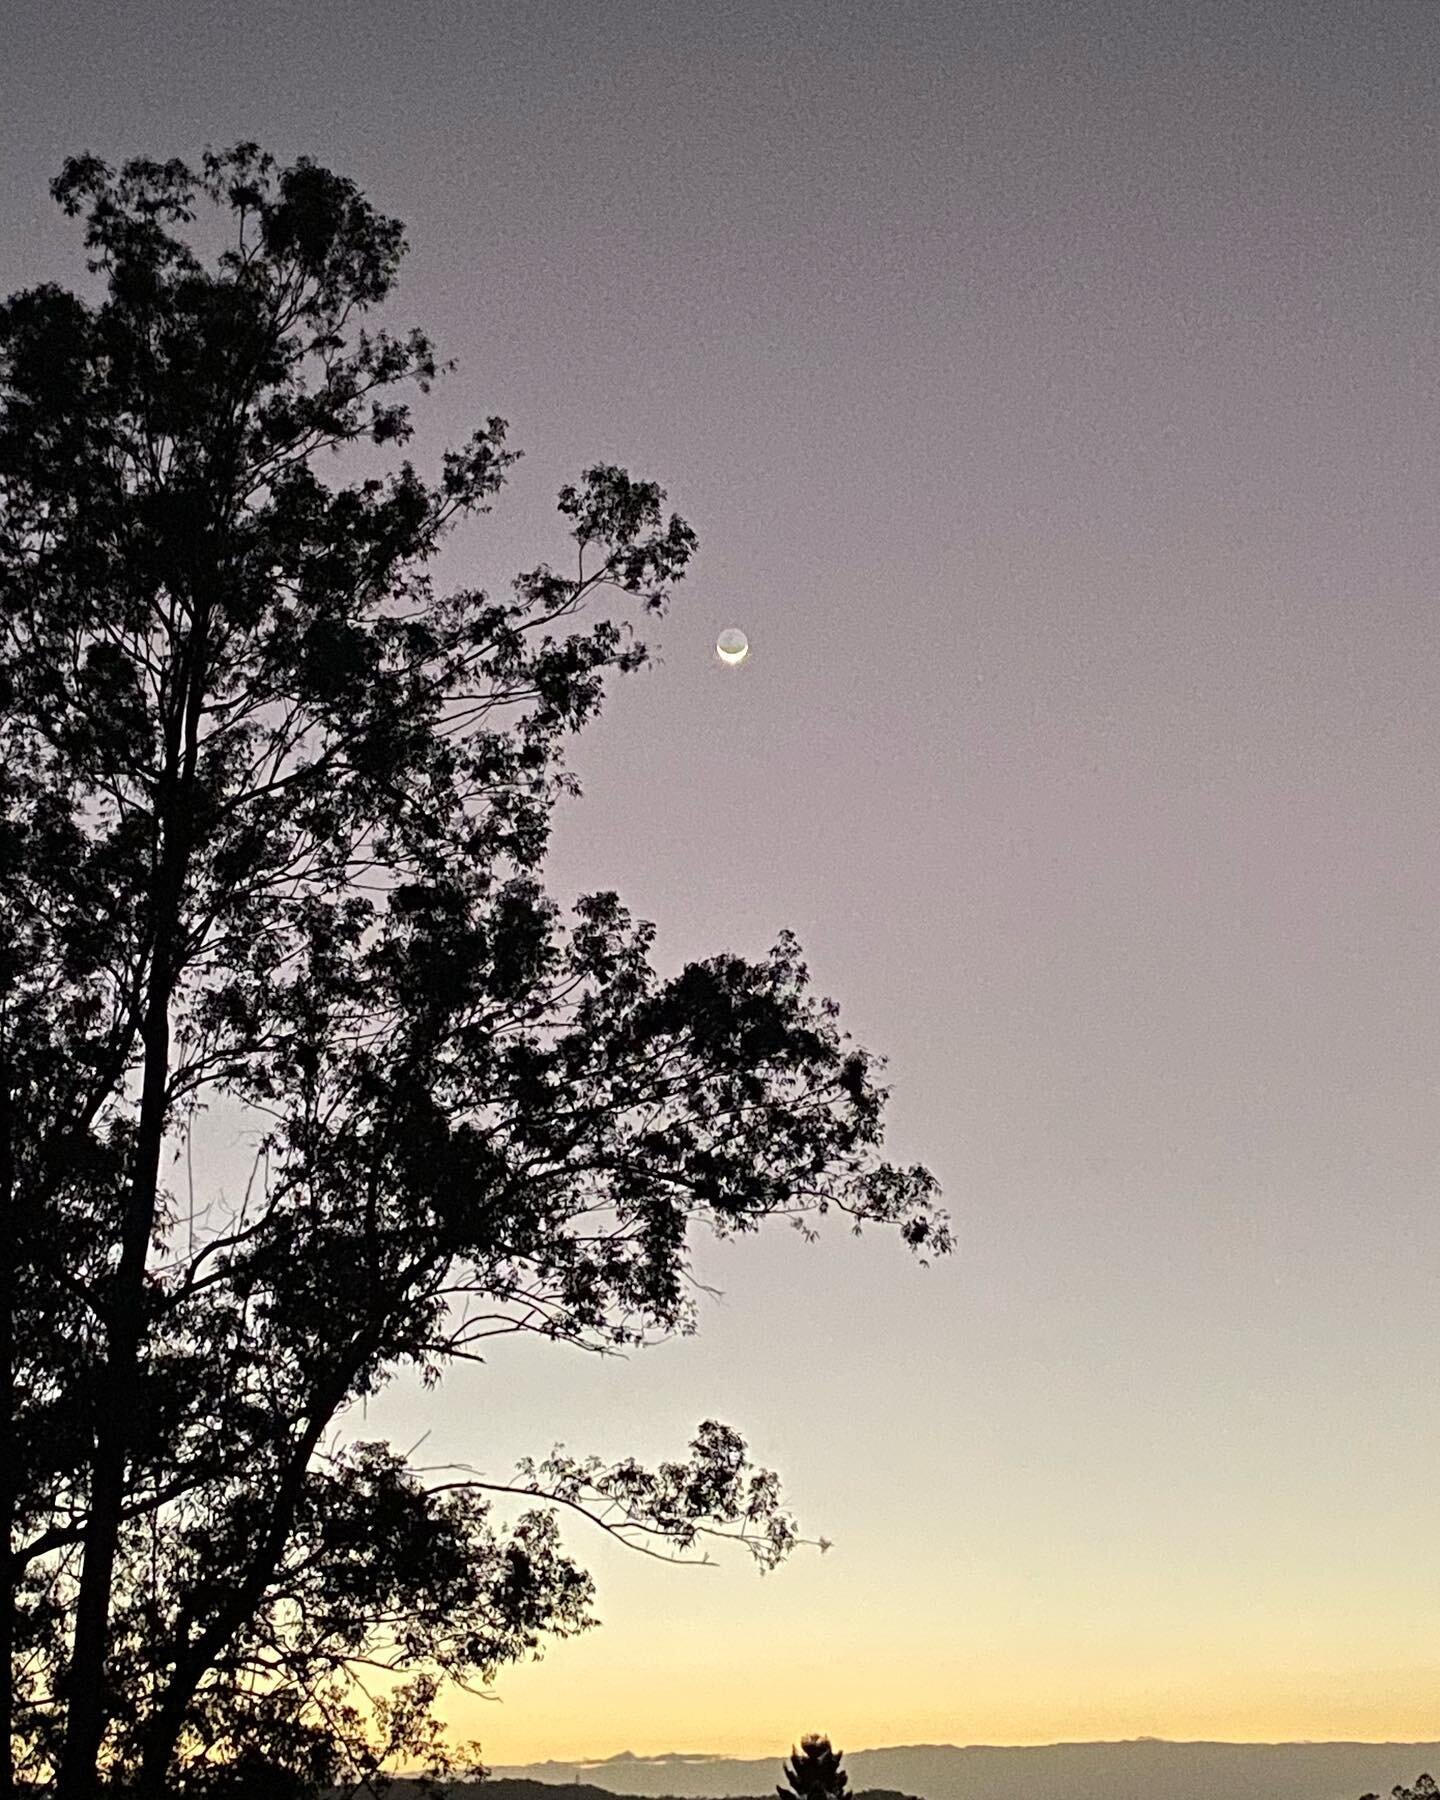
{"points": [[1424, 1789], [272, 817]]}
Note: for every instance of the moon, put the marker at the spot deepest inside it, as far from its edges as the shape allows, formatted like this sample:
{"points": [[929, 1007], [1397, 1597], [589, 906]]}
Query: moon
{"points": [[732, 646]]}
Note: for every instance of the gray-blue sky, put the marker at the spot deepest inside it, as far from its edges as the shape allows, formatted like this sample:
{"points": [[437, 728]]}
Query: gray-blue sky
{"points": [[1054, 387]]}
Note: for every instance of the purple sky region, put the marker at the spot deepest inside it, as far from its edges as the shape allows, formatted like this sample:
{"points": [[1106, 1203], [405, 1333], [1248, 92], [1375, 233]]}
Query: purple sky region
{"points": [[1054, 390]]}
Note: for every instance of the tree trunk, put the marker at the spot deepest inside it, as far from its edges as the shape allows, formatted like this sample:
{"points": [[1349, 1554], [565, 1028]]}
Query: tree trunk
{"points": [[125, 1310], [8, 1260], [85, 1719], [194, 1659]]}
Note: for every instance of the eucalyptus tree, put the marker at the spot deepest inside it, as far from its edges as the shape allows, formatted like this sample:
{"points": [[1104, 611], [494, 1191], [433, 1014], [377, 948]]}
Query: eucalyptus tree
{"points": [[273, 816]]}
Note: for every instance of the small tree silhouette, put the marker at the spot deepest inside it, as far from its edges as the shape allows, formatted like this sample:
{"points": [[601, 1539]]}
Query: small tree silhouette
{"points": [[814, 1771], [1424, 1789]]}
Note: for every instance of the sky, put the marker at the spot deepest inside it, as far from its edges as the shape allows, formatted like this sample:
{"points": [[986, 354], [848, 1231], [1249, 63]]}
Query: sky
{"points": [[1053, 387]]}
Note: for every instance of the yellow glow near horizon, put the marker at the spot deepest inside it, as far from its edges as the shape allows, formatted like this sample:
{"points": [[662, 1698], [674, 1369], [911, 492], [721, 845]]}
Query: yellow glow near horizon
{"points": [[585, 1707]]}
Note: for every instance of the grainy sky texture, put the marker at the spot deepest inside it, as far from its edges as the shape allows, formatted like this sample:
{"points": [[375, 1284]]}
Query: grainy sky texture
{"points": [[1054, 389]]}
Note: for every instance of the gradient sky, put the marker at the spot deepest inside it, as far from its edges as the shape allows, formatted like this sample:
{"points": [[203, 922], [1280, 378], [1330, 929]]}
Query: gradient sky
{"points": [[1054, 388]]}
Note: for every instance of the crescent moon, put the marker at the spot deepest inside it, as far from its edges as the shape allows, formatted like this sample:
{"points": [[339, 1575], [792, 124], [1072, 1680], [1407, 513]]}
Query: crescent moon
{"points": [[732, 646]]}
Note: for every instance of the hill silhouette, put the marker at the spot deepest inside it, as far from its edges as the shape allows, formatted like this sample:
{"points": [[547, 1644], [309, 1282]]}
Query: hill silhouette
{"points": [[1133, 1769]]}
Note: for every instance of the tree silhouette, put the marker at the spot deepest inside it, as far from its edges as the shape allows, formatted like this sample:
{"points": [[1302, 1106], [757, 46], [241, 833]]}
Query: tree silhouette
{"points": [[813, 1771], [1424, 1789], [272, 817]]}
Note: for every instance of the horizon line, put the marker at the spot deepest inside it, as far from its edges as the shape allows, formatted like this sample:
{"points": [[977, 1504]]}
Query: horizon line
{"points": [[703, 1756]]}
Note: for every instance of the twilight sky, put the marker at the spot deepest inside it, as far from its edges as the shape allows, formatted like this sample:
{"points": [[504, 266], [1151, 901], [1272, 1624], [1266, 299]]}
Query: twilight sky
{"points": [[1056, 390]]}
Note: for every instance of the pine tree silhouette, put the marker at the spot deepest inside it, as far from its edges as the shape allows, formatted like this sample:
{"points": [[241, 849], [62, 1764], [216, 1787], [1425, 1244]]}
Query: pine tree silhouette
{"points": [[814, 1771]]}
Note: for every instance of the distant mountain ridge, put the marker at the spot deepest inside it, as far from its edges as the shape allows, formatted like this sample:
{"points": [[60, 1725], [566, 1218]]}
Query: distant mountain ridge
{"points": [[521, 1787], [1132, 1769]]}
